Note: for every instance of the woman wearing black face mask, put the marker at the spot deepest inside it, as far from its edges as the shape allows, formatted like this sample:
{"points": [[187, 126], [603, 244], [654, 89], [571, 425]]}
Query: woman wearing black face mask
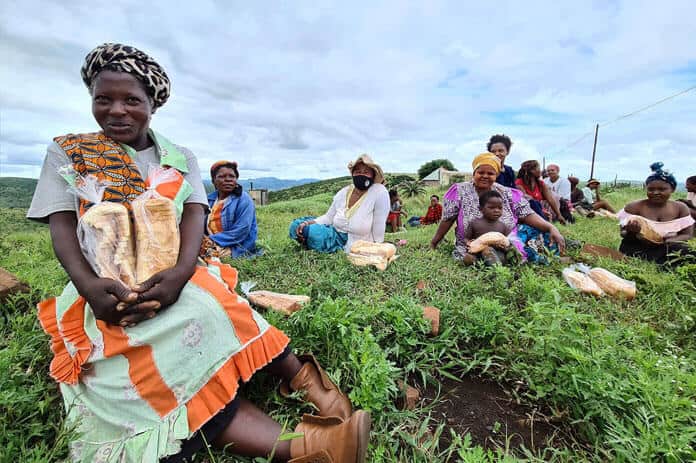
{"points": [[358, 212]]}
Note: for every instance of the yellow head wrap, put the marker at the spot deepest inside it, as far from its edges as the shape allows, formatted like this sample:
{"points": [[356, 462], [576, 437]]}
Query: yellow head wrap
{"points": [[486, 159]]}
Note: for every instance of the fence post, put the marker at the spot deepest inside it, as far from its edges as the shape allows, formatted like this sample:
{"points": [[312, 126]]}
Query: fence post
{"points": [[594, 150]]}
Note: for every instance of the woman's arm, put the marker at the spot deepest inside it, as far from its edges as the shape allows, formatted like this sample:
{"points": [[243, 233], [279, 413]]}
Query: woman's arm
{"points": [[326, 219], [451, 205], [537, 222], [551, 199], [441, 231], [631, 227], [102, 294], [379, 216]]}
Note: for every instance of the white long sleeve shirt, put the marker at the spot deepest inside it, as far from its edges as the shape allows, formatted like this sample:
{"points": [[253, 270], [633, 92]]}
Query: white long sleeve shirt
{"points": [[365, 220], [561, 187]]}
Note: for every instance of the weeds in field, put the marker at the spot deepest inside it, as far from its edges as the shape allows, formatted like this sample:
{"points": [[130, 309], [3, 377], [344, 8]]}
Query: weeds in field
{"points": [[620, 374]]}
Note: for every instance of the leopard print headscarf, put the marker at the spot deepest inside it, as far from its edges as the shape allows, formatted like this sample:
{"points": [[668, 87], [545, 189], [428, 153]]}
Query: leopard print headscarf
{"points": [[124, 58]]}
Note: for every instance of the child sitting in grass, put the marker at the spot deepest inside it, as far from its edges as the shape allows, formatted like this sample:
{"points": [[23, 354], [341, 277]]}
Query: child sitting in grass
{"points": [[395, 212], [491, 207]]}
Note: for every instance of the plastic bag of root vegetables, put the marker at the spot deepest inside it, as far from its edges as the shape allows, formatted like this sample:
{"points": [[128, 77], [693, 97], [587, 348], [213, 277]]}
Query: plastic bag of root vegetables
{"points": [[157, 236], [104, 230]]}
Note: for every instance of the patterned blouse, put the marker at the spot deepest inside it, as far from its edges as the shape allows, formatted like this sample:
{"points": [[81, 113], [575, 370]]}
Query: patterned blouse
{"points": [[462, 202]]}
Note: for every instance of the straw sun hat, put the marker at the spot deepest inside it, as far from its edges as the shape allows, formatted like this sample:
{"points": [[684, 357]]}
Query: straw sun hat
{"points": [[367, 160]]}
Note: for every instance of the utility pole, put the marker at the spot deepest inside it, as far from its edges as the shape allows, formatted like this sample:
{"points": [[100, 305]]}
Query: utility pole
{"points": [[594, 150]]}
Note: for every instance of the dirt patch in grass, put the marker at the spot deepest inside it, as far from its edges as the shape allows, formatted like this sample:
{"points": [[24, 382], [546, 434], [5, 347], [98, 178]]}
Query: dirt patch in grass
{"points": [[492, 417]]}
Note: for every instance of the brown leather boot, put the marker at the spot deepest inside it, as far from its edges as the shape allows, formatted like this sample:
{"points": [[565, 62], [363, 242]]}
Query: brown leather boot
{"points": [[341, 441], [318, 389]]}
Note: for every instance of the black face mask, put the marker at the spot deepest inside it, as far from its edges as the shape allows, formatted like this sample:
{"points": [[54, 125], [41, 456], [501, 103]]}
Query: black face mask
{"points": [[362, 182]]}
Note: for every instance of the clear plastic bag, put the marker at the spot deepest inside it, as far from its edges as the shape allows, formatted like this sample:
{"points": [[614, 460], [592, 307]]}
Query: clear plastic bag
{"points": [[104, 230], [156, 227], [364, 253], [284, 303], [578, 279], [612, 284], [608, 282]]}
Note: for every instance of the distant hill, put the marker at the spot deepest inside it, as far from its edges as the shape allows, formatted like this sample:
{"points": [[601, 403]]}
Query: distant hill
{"points": [[331, 185], [266, 183], [16, 192]]}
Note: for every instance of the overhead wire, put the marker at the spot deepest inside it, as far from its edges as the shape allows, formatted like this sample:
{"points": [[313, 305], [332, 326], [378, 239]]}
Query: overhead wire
{"points": [[626, 116]]}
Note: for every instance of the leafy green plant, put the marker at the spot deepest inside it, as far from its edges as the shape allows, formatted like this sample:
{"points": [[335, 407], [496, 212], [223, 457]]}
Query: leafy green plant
{"points": [[412, 188]]}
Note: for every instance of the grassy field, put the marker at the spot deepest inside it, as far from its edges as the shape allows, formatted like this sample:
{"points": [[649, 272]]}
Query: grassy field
{"points": [[619, 377]]}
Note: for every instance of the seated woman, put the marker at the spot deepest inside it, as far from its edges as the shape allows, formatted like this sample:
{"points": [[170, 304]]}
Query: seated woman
{"points": [[670, 219], [358, 212], [433, 214], [145, 384], [591, 193], [231, 222], [577, 199], [536, 191], [461, 205]]}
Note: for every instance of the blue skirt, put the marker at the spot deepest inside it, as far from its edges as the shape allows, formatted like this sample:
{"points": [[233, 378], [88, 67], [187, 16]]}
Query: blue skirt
{"points": [[318, 237]]}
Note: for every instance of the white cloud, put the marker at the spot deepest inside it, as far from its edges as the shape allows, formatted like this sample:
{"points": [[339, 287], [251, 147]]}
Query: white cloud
{"points": [[297, 90]]}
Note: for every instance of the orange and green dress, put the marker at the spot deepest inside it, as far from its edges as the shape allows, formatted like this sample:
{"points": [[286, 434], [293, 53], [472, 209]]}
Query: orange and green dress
{"points": [[136, 393]]}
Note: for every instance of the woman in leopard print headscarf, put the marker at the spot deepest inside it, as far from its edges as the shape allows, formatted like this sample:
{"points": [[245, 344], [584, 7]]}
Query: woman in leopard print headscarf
{"points": [[124, 58], [145, 384]]}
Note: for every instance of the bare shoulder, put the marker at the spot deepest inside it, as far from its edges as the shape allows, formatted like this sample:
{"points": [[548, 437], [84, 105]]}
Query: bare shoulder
{"points": [[634, 207], [681, 209]]}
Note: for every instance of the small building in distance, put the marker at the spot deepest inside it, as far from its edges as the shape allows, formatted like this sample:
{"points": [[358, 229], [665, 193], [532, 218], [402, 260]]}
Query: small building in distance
{"points": [[260, 197], [442, 177]]}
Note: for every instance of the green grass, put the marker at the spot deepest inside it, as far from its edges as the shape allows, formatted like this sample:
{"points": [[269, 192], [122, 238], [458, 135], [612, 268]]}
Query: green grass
{"points": [[620, 374]]}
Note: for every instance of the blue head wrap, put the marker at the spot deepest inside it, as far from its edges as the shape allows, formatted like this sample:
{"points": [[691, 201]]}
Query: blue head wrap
{"points": [[659, 174]]}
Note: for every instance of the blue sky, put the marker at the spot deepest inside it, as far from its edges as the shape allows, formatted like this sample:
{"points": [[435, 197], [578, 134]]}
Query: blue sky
{"points": [[297, 89]]}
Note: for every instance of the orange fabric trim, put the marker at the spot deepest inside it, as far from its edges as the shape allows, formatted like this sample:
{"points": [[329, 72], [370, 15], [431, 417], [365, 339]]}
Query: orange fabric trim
{"points": [[227, 273], [222, 388], [66, 368], [142, 369], [240, 313], [170, 189], [215, 218]]}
